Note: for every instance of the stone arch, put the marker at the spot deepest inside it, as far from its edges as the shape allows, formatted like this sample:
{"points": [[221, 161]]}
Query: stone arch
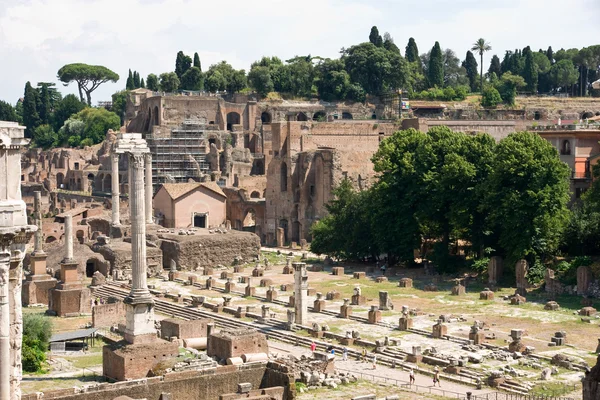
{"points": [[90, 182], [94, 264], [283, 177], [373, 116], [266, 118], [346, 115], [301, 117], [50, 239], [537, 115], [155, 115], [565, 148], [320, 116], [255, 194], [233, 118], [60, 180]]}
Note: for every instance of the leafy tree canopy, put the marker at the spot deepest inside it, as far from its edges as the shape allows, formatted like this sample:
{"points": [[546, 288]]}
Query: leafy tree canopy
{"points": [[88, 78]]}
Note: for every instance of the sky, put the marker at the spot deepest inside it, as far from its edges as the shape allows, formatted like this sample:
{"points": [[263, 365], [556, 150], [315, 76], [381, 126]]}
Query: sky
{"points": [[37, 37]]}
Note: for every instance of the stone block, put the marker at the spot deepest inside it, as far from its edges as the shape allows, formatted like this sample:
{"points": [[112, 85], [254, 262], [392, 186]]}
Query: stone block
{"points": [[430, 287], [381, 279], [265, 282], [238, 269], [439, 330], [229, 286], [318, 306], [70, 302], [311, 292], [345, 311], [588, 311], [359, 300], [359, 275], [486, 294], [192, 279], [517, 300], [249, 291], [551, 306], [288, 270], [333, 295], [405, 283], [337, 271], [374, 315], [134, 361], [258, 272], [459, 290], [292, 301], [477, 337], [226, 275], [405, 323], [208, 271], [271, 294]]}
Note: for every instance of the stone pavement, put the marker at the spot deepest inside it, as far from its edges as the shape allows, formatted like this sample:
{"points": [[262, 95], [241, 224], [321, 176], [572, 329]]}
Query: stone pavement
{"points": [[398, 376]]}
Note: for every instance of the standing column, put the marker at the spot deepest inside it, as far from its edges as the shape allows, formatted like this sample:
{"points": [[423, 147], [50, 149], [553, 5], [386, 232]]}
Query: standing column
{"points": [[39, 235], [116, 218], [140, 305], [300, 288], [149, 190], [68, 238], [5, 365]]}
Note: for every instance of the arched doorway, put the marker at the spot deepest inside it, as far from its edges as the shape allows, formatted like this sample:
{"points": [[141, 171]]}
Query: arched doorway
{"points": [[283, 224], [265, 117], [258, 168], [255, 195], [296, 229], [249, 224], [90, 267], [537, 115], [301, 117], [283, 177], [80, 236], [233, 118], [346, 115], [60, 180], [50, 239], [320, 116], [155, 115], [565, 148]]}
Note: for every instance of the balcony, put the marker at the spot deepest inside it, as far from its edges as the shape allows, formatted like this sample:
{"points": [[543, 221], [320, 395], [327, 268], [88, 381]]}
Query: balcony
{"points": [[581, 175]]}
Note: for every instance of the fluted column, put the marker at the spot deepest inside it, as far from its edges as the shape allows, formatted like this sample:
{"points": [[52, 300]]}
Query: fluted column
{"points": [[39, 235], [149, 191], [5, 365], [68, 238], [116, 218], [139, 289]]}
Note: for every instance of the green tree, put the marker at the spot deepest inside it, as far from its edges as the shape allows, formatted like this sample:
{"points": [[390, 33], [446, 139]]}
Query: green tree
{"points": [[197, 62], [237, 81], [491, 97], [223, 76], [37, 330], [375, 37], [44, 106], [528, 188], [97, 122], [182, 64], [508, 86], [412, 51], [68, 106], [259, 78], [136, 79], [470, 65], [31, 118], [169, 82], [333, 81], [88, 78], [142, 84], [7, 112], [215, 82], [481, 46], [299, 73], [530, 72], [71, 133], [119, 104], [129, 84], [192, 79], [550, 55], [563, 73], [388, 43], [495, 66], [45, 137], [152, 82], [435, 71]]}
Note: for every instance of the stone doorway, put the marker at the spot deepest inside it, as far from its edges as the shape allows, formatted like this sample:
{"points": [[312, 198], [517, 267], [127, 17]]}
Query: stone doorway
{"points": [[200, 220]]}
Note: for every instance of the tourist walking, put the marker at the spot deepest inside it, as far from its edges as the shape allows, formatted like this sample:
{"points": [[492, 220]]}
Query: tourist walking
{"points": [[436, 377], [411, 376], [313, 347], [374, 361], [364, 355], [345, 354]]}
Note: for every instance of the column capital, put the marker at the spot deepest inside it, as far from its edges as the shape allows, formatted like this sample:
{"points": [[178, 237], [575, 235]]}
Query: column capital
{"points": [[148, 157], [137, 160]]}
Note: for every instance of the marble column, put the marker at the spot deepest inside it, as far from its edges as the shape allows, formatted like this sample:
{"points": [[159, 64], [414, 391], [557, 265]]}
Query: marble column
{"points": [[68, 238], [39, 234], [149, 190], [116, 218], [140, 305], [5, 365], [300, 292]]}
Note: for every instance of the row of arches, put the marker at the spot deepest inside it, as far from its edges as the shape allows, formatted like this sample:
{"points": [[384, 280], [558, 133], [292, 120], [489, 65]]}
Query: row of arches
{"points": [[320, 116]]}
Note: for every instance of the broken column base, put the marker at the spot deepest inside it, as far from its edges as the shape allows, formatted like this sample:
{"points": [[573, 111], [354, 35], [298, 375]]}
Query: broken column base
{"points": [[319, 306], [439, 331], [359, 300], [414, 359], [405, 323], [37, 290], [123, 361], [374, 315], [477, 338], [345, 312], [69, 302]]}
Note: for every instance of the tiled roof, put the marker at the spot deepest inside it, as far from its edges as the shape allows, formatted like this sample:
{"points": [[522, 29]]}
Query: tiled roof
{"points": [[176, 190]]}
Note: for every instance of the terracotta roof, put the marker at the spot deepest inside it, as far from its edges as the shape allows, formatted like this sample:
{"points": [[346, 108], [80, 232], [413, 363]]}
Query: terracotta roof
{"points": [[176, 190]]}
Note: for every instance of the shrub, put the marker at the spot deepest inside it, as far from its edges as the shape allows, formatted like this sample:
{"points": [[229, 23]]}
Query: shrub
{"points": [[491, 97], [37, 330], [480, 264]]}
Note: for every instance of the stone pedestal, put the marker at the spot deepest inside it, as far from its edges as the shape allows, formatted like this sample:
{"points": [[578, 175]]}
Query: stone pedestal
{"points": [[584, 278], [266, 282], [359, 275], [346, 309], [229, 286], [238, 269], [458, 290], [288, 270], [405, 323], [495, 270], [300, 293], [385, 303], [292, 301], [359, 300], [439, 330], [249, 291], [486, 294], [271, 294], [226, 275], [125, 361], [517, 300], [69, 298], [319, 304], [477, 337], [521, 273], [337, 271], [405, 283], [207, 271], [38, 284], [374, 315], [333, 295], [280, 237]]}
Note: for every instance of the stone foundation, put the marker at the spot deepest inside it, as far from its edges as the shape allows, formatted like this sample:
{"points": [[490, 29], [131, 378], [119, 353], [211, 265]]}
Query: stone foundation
{"points": [[70, 302], [405, 283], [337, 271], [124, 361], [37, 291]]}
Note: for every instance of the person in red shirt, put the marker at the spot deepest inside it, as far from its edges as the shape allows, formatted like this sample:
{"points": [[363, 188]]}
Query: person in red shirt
{"points": [[313, 347]]}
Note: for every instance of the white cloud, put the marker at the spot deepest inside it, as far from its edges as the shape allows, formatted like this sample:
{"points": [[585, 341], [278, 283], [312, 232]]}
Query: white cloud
{"points": [[37, 37]]}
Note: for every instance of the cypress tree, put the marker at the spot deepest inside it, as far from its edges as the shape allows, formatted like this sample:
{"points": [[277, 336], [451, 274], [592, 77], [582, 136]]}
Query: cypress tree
{"points": [[44, 108], [136, 79], [197, 61], [375, 37], [550, 55], [31, 118], [412, 51], [179, 64], [470, 64], [530, 72], [495, 66], [129, 84], [152, 82], [435, 73], [142, 84]]}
